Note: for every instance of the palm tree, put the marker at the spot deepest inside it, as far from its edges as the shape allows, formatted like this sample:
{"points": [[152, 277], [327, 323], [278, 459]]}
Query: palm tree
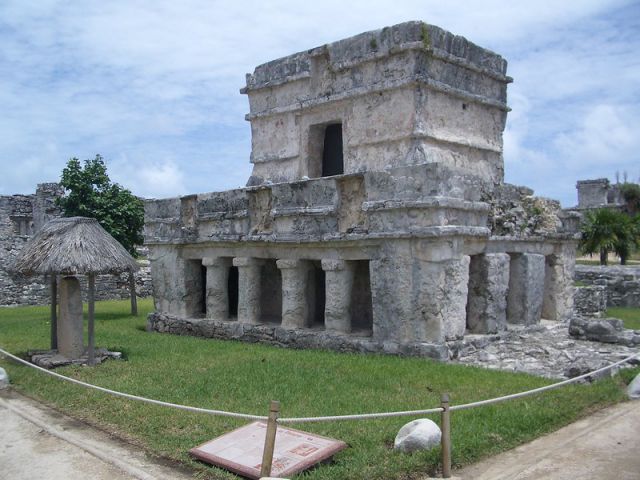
{"points": [[606, 230]]}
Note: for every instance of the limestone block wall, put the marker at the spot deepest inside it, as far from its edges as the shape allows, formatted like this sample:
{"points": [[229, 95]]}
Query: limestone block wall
{"points": [[591, 301], [621, 283]]}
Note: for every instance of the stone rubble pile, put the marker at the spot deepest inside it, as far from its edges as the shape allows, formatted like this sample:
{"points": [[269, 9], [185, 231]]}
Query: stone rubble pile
{"points": [[546, 350]]}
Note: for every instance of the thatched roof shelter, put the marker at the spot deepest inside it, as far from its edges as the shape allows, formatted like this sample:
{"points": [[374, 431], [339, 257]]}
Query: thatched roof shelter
{"points": [[73, 246]]}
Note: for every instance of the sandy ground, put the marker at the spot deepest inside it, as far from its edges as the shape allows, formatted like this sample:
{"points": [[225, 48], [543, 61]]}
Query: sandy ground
{"points": [[603, 446], [37, 442]]}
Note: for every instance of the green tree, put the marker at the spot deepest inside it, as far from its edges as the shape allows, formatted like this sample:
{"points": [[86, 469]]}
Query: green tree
{"points": [[90, 193], [607, 230], [631, 194]]}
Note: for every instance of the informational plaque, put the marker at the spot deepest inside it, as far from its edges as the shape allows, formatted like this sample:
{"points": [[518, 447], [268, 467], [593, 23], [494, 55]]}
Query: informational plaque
{"points": [[240, 451]]}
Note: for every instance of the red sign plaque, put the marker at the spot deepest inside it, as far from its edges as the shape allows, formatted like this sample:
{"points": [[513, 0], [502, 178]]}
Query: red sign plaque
{"points": [[240, 451]]}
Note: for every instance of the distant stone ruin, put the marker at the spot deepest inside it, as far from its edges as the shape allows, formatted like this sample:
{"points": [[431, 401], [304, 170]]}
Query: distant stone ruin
{"points": [[21, 216], [598, 193], [376, 218]]}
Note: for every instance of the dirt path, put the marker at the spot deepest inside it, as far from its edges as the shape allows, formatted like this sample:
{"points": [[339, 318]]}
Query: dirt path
{"points": [[37, 442], [605, 445]]}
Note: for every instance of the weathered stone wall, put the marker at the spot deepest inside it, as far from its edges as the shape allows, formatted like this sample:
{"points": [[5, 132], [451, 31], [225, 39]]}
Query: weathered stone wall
{"points": [[18, 216], [591, 301], [403, 95], [598, 193], [622, 283], [420, 200], [286, 337], [23, 215]]}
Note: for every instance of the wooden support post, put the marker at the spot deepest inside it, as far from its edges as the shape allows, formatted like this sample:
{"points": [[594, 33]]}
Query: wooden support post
{"points": [[54, 311], [92, 354], [270, 439], [445, 443], [132, 291]]}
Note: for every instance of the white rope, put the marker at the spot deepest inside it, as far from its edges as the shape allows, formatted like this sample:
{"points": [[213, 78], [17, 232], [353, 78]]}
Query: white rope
{"points": [[364, 416], [539, 390], [221, 413]]}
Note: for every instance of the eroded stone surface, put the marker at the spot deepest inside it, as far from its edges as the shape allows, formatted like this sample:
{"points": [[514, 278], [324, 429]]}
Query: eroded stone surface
{"points": [[378, 169], [53, 359], [546, 350]]}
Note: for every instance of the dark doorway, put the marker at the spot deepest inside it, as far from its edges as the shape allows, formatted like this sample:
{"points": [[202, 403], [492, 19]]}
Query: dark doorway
{"points": [[361, 302], [203, 289], [232, 291], [332, 163], [271, 293], [316, 295]]}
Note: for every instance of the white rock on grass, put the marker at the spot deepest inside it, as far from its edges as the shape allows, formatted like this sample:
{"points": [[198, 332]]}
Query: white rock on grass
{"points": [[633, 390], [4, 379], [422, 434]]}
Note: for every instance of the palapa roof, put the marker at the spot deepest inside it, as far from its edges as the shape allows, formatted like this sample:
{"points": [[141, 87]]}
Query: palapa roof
{"points": [[73, 246]]}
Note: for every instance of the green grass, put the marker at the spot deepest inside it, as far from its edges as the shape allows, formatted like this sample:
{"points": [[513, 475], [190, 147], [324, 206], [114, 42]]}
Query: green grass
{"points": [[244, 377], [629, 315]]}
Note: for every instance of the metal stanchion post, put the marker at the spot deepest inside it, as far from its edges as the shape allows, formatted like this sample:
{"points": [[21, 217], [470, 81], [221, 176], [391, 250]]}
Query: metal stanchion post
{"points": [[270, 439], [445, 445]]}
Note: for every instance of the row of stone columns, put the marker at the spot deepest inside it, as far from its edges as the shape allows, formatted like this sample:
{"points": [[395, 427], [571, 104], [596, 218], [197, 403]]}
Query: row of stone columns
{"points": [[296, 311], [516, 288]]}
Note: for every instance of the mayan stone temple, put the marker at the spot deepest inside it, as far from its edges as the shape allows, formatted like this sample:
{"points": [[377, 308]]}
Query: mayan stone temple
{"points": [[376, 218]]}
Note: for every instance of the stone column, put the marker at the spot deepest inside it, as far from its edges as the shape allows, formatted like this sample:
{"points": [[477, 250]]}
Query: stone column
{"points": [[526, 288], [440, 290], [70, 323], [249, 289], [558, 286], [487, 300], [339, 282], [295, 305], [217, 294]]}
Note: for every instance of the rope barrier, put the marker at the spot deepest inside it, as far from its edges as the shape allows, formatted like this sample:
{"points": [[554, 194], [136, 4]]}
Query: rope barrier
{"points": [[221, 413], [513, 396], [363, 416]]}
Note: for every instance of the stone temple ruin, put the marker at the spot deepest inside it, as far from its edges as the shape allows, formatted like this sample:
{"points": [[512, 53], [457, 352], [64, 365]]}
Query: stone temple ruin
{"points": [[376, 217]]}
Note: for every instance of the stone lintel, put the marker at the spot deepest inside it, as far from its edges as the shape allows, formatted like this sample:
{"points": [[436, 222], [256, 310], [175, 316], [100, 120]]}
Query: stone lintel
{"points": [[329, 264], [247, 262], [216, 261], [285, 263]]}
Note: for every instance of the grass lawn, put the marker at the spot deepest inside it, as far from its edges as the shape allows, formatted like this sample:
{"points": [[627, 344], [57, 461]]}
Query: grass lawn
{"points": [[629, 315], [243, 377]]}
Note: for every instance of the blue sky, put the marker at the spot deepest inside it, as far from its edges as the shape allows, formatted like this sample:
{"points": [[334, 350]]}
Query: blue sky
{"points": [[153, 86]]}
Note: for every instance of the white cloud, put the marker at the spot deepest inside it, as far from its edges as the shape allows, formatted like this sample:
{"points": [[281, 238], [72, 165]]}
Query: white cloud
{"points": [[163, 180], [153, 85]]}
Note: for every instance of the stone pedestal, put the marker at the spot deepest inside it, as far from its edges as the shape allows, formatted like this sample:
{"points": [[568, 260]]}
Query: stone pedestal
{"points": [[487, 299], [526, 288], [295, 305], [249, 289], [217, 294], [339, 283], [70, 323]]}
